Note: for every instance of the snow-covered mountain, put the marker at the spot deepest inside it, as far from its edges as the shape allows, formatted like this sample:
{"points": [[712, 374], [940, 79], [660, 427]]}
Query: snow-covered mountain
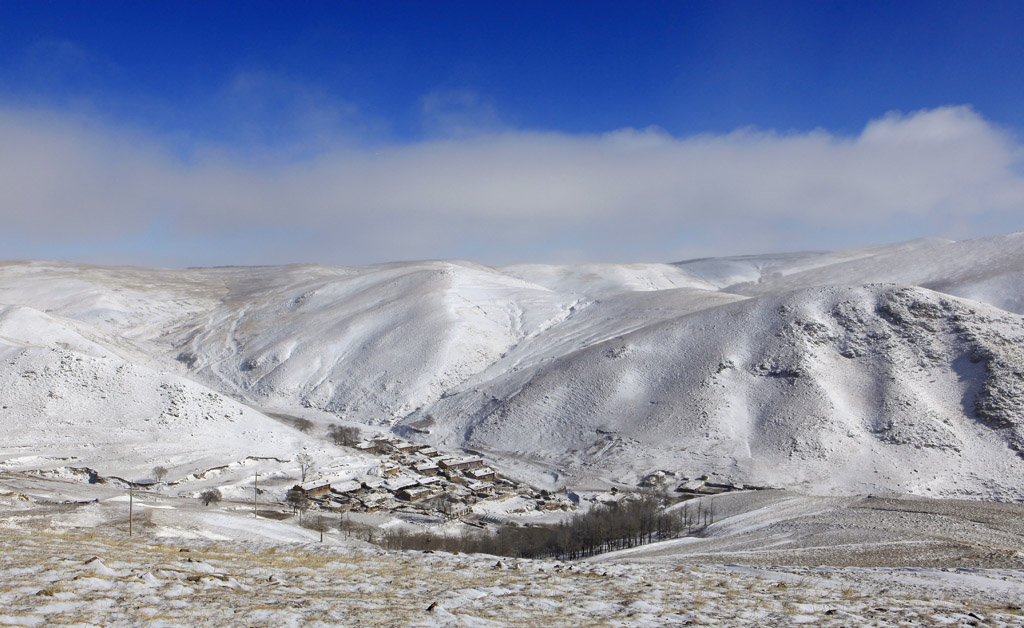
{"points": [[898, 367]]}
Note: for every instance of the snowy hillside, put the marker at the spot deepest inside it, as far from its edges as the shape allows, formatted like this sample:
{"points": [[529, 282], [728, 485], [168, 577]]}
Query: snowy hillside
{"points": [[988, 269], [372, 344], [860, 388], [69, 402], [897, 367]]}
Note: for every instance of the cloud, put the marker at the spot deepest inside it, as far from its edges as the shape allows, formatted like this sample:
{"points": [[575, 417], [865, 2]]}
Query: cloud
{"points": [[508, 196], [259, 108], [458, 114]]}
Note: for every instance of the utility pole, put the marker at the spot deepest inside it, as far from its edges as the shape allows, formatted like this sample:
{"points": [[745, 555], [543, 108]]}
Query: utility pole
{"points": [[255, 496], [131, 505]]}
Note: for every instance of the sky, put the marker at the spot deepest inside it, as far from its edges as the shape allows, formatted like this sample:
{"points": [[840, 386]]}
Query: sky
{"points": [[196, 134]]}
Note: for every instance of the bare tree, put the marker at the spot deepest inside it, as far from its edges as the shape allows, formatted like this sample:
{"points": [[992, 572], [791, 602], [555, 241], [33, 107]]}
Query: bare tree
{"points": [[159, 473], [209, 496], [320, 524], [303, 425], [342, 435], [306, 464], [349, 526], [297, 499]]}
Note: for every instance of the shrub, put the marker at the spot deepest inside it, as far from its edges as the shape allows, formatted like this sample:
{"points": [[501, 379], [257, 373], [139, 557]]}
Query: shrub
{"points": [[210, 496]]}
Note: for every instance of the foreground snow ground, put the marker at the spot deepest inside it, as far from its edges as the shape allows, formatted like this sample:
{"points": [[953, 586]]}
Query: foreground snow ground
{"points": [[882, 388], [103, 578], [73, 563]]}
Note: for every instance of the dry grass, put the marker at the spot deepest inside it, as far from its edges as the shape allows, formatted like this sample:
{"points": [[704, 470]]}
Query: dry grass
{"points": [[850, 593], [228, 584]]}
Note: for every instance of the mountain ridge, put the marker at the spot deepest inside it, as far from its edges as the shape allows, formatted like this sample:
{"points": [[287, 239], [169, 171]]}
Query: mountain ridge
{"points": [[594, 373]]}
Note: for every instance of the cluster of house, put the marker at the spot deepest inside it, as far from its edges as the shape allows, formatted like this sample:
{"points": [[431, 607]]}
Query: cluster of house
{"points": [[698, 487], [409, 474], [691, 487]]}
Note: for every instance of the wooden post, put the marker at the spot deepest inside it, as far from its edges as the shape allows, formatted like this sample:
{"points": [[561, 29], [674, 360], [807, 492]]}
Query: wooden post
{"points": [[255, 496], [131, 505]]}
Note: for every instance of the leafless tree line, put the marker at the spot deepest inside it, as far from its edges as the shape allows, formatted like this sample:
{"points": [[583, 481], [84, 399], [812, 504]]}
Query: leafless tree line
{"points": [[621, 525]]}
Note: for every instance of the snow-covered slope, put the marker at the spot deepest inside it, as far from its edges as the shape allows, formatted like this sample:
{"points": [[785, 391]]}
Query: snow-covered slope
{"points": [[986, 269], [783, 369], [723, 272], [372, 344], [872, 388], [70, 400]]}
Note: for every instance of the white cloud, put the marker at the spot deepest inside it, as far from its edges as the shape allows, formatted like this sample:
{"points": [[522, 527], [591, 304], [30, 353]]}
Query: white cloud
{"points": [[260, 108], [513, 196], [458, 113]]}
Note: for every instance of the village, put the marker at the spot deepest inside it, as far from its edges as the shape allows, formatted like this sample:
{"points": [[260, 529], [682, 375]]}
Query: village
{"points": [[419, 479]]}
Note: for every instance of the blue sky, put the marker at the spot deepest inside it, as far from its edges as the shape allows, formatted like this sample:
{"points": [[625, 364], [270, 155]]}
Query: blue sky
{"points": [[346, 133]]}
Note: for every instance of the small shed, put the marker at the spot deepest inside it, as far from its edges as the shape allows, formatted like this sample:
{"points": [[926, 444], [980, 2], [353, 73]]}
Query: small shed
{"points": [[314, 489], [414, 493], [339, 504], [346, 486], [481, 488], [397, 483], [483, 473], [427, 468], [466, 462], [714, 488], [373, 503], [371, 483], [455, 478]]}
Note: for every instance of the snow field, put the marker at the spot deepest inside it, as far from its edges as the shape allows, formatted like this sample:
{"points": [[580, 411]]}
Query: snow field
{"points": [[796, 370], [101, 577]]}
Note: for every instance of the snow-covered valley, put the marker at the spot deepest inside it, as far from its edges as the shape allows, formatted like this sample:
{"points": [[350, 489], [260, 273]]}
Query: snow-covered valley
{"points": [[898, 368], [774, 559], [896, 371]]}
